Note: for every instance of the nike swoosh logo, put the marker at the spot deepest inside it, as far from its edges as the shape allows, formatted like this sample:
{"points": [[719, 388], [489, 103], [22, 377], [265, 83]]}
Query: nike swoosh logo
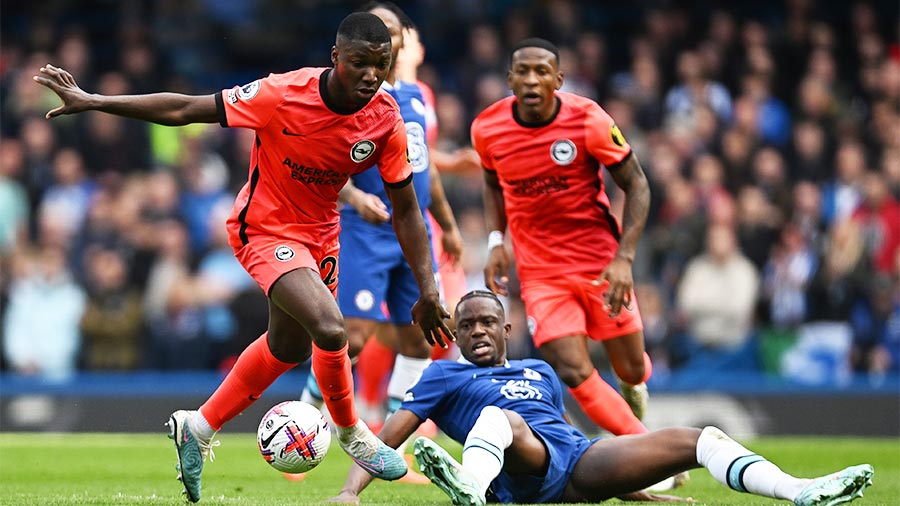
{"points": [[266, 440], [285, 131], [252, 398], [335, 399], [371, 468]]}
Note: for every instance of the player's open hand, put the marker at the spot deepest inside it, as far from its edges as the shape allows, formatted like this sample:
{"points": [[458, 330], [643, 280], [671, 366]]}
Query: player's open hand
{"points": [[620, 284], [496, 269], [370, 207], [63, 84], [432, 318]]}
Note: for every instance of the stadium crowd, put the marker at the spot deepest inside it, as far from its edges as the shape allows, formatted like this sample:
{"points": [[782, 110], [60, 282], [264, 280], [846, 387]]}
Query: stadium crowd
{"points": [[770, 133]]}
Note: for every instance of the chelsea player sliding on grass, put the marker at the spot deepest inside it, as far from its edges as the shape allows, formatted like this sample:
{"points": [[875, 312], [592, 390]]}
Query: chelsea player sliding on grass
{"points": [[519, 448]]}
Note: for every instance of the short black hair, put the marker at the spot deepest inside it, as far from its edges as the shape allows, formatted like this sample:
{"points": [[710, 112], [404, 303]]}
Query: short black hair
{"points": [[364, 26], [405, 20], [535, 42], [487, 294]]}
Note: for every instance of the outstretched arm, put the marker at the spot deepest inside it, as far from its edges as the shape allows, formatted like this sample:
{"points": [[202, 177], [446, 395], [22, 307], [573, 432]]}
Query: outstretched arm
{"points": [[497, 267], [630, 177], [171, 109], [396, 430], [413, 238]]}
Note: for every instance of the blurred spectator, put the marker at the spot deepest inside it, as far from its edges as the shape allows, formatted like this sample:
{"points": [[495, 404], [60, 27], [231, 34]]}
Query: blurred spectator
{"points": [[841, 196], [841, 275], [809, 156], [879, 217], [41, 321], [14, 208], [113, 143], [696, 89], [113, 320], [876, 328], [773, 123], [770, 175], [174, 320], [758, 225], [786, 277], [716, 297], [68, 198]]}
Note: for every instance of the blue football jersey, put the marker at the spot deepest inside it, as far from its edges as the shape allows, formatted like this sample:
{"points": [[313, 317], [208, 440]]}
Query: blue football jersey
{"points": [[412, 109], [453, 394]]}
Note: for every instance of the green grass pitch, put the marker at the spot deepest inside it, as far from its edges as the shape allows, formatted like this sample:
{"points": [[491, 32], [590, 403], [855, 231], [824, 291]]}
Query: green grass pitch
{"points": [[138, 469]]}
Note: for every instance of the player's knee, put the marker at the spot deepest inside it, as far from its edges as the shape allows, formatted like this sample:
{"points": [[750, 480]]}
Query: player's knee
{"points": [[573, 375], [329, 335], [631, 372], [288, 348]]}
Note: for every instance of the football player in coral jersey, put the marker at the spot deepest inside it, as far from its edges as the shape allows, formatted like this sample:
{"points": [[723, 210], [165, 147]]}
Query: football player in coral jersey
{"points": [[542, 151], [315, 127]]}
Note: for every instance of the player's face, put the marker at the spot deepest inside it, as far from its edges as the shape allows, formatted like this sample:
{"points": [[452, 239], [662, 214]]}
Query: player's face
{"points": [[482, 331], [533, 77], [359, 68], [392, 22]]}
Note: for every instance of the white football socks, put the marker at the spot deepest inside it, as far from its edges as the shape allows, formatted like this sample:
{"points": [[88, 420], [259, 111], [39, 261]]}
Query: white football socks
{"points": [[200, 428], [740, 469], [483, 451], [406, 373]]}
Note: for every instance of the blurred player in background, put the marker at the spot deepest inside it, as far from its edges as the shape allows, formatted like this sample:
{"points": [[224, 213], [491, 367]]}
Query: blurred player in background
{"points": [[315, 127], [519, 448], [376, 275], [542, 152], [377, 357]]}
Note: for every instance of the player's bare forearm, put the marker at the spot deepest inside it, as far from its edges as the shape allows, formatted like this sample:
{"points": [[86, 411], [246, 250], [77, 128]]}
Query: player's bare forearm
{"points": [[494, 210], [170, 109], [439, 207], [629, 176], [413, 237]]}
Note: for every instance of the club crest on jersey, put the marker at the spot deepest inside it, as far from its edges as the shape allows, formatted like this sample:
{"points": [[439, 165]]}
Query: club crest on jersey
{"points": [[284, 253], [364, 300], [616, 135], [532, 325], [563, 151], [248, 91], [531, 374], [362, 150], [520, 389]]}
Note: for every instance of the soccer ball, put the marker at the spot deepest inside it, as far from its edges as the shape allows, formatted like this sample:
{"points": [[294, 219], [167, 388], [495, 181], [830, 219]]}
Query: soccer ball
{"points": [[293, 437]]}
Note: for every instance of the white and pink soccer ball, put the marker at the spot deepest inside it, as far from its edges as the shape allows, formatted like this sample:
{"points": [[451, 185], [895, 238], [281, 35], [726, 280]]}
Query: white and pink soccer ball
{"points": [[293, 437]]}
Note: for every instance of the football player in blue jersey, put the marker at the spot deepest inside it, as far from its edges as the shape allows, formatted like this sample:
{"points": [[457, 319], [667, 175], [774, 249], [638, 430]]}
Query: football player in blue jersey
{"points": [[519, 448]]}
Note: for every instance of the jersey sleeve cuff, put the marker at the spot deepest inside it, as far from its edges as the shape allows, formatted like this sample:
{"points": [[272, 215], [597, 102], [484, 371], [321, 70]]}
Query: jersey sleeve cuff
{"points": [[220, 110], [400, 184], [620, 162]]}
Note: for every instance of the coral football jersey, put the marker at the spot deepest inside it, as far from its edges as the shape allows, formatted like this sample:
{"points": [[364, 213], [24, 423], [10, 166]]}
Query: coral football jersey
{"points": [[305, 151], [550, 174]]}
